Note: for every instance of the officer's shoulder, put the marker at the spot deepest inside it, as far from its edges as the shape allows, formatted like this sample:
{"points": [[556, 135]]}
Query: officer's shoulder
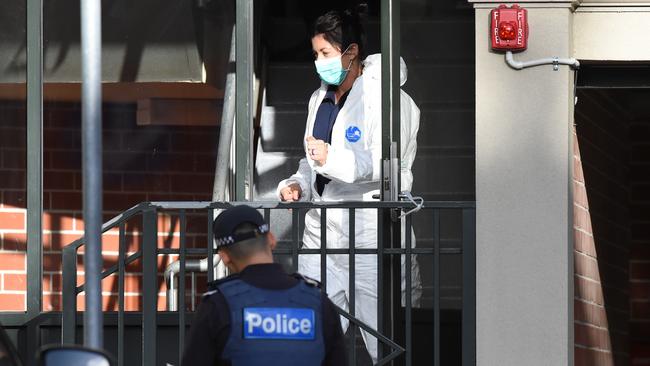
{"points": [[213, 287], [308, 280]]}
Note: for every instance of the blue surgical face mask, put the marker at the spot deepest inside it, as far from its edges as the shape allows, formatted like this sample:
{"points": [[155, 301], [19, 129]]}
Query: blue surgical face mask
{"points": [[331, 69]]}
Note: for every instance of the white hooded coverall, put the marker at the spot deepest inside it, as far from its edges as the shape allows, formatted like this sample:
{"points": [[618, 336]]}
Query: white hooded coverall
{"points": [[353, 165]]}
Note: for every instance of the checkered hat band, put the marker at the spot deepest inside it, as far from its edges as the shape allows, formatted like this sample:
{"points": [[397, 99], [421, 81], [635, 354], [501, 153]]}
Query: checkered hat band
{"points": [[235, 238]]}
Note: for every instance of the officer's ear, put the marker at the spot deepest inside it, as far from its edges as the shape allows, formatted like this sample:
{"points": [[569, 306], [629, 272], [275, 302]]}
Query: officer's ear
{"points": [[225, 258], [272, 241]]}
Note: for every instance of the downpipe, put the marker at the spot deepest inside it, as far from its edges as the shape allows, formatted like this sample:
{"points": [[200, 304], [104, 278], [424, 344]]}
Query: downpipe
{"points": [[555, 61], [222, 169]]}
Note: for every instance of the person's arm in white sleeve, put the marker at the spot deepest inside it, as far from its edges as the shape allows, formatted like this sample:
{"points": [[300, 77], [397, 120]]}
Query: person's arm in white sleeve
{"points": [[302, 177]]}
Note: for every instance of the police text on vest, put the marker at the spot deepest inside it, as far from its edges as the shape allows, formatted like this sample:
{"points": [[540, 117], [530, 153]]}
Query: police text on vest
{"points": [[279, 323]]}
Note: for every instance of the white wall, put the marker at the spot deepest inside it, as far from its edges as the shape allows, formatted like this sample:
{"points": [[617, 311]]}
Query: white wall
{"points": [[524, 246], [612, 33]]}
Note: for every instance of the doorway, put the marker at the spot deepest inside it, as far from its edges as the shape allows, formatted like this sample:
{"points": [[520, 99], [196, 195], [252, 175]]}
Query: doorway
{"points": [[612, 216]]}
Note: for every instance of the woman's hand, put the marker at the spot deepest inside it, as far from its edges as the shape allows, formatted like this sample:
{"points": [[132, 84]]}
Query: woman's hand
{"points": [[291, 193], [317, 150]]}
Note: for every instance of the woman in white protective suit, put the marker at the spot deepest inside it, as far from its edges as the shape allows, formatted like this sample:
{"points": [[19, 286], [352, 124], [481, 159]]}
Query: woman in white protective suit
{"points": [[342, 161]]}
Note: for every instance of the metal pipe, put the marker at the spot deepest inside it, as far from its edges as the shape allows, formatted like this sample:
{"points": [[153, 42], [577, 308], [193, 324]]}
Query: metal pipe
{"points": [[221, 171], [224, 149], [519, 65], [171, 272], [225, 130], [91, 109], [244, 99]]}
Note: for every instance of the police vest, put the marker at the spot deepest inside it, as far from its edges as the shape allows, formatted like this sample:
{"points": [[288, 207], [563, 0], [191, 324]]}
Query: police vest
{"points": [[273, 327]]}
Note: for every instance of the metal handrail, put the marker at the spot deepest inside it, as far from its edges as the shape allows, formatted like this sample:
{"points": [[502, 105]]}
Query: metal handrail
{"points": [[196, 205], [149, 251]]}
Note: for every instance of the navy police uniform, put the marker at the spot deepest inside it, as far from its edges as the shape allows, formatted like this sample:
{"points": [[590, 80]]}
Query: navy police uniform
{"points": [[265, 316], [262, 315]]}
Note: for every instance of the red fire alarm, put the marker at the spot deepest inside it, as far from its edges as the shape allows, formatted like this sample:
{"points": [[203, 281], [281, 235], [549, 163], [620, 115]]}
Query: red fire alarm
{"points": [[509, 28]]}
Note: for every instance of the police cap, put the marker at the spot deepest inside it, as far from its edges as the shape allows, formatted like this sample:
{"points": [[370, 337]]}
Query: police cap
{"points": [[225, 224]]}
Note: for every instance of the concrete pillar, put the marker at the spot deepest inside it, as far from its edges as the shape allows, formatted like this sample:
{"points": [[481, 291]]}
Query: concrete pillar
{"points": [[524, 264]]}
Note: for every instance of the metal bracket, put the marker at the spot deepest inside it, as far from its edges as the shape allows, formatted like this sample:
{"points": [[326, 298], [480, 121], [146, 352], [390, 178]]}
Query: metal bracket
{"points": [[418, 202]]}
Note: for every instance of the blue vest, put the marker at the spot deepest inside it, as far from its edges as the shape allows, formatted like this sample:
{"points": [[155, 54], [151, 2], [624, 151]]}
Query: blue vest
{"points": [[274, 327]]}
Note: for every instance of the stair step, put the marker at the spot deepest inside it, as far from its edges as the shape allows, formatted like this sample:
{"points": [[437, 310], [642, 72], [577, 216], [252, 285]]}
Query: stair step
{"points": [[283, 129], [270, 169]]}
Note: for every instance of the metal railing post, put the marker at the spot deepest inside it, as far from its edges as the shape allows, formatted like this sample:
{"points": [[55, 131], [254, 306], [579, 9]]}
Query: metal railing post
{"points": [[295, 238], [389, 270], [34, 155], [351, 285], [149, 286], [210, 241], [244, 99], [323, 249], [91, 115], [121, 273], [408, 291], [181, 286], [436, 287], [69, 296], [390, 95], [469, 288], [34, 173], [34, 184]]}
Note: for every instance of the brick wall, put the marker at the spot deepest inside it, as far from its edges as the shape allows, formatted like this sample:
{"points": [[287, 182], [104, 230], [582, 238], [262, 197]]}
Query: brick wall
{"points": [[640, 251], [601, 232], [140, 164], [12, 206]]}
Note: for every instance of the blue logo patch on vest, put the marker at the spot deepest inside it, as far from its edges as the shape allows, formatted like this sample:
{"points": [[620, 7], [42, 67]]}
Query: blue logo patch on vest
{"points": [[279, 323], [353, 134]]}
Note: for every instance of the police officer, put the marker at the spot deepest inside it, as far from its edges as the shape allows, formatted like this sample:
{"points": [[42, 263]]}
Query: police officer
{"points": [[261, 315]]}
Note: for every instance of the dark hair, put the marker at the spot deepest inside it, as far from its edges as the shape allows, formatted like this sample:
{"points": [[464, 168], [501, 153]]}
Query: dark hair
{"points": [[244, 249], [342, 28]]}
